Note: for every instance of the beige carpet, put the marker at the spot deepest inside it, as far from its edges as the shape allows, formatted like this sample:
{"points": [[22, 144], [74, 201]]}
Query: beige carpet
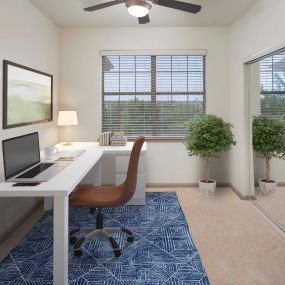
{"points": [[274, 205], [238, 246]]}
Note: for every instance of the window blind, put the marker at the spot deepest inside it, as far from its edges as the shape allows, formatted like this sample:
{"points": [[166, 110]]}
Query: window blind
{"points": [[272, 85], [152, 95]]}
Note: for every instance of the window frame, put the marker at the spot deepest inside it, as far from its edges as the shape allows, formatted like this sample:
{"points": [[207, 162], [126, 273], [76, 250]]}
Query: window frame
{"points": [[153, 94]]}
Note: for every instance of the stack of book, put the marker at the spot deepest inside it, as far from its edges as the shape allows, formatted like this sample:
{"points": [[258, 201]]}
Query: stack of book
{"points": [[118, 140], [105, 138]]}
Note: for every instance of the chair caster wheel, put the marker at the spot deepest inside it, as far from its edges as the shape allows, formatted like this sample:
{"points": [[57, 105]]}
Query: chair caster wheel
{"points": [[117, 252], [131, 239], [72, 240], [78, 252]]}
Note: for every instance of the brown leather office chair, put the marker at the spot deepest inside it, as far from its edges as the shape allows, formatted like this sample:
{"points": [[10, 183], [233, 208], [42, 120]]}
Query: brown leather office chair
{"points": [[100, 197]]}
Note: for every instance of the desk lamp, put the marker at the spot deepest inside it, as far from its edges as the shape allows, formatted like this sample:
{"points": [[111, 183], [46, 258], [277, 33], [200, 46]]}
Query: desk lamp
{"points": [[67, 119]]}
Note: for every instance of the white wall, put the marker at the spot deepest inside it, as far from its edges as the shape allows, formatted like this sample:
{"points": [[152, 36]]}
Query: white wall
{"points": [[260, 28], [80, 88], [28, 38]]}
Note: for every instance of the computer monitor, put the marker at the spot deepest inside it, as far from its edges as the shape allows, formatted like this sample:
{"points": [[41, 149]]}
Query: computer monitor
{"points": [[20, 153]]}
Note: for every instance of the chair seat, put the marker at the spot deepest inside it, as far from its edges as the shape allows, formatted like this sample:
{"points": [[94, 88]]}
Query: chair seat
{"points": [[97, 196]]}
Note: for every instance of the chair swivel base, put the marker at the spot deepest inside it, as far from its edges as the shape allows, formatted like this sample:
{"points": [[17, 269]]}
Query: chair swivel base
{"points": [[102, 234]]}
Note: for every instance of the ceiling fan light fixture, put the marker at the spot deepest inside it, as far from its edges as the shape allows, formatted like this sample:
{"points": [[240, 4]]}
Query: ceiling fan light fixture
{"points": [[138, 11], [138, 8]]}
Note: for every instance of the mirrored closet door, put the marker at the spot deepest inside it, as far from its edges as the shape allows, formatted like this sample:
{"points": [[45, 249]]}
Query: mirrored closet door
{"points": [[266, 91]]}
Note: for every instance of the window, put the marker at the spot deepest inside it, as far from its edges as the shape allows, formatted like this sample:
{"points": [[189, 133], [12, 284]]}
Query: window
{"points": [[152, 95], [272, 85]]}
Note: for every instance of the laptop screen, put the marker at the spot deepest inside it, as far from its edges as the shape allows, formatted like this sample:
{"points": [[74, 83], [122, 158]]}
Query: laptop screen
{"points": [[20, 153]]}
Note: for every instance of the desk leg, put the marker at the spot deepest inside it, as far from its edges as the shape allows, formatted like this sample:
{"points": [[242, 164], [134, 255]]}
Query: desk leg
{"points": [[60, 241], [97, 178], [48, 203]]}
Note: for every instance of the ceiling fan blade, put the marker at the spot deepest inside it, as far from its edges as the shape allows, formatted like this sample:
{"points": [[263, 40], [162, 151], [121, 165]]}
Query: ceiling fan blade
{"points": [[179, 5], [144, 20], [104, 5]]}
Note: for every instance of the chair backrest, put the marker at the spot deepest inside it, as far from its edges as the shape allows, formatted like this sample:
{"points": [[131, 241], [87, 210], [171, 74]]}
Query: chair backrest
{"points": [[131, 179]]}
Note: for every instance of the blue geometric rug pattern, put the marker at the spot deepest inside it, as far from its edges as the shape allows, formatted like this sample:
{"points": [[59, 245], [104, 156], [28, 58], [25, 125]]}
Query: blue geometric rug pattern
{"points": [[163, 252]]}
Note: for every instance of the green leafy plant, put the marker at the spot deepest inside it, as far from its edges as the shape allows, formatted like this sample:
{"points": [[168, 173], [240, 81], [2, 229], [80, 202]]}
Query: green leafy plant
{"points": [[206, 136], [268, 139]]}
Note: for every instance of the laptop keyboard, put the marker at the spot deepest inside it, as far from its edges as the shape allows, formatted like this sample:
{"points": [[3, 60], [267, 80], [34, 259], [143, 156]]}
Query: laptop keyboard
{"points": [[36, 170]]}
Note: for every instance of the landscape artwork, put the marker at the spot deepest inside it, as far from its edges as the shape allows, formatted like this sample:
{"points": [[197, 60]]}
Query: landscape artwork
{"points": [[27, 96]]}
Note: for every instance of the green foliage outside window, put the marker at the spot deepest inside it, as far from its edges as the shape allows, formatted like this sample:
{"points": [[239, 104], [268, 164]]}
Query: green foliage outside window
{"points": [[135, 117], [273, 105]]}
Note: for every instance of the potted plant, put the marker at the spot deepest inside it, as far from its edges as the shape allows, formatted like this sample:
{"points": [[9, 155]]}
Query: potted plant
{"points": [[206, 136], [268, 142]]}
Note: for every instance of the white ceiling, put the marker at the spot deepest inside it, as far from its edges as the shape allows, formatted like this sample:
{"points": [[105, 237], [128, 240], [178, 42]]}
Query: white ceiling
{"points": [[69, 13]]}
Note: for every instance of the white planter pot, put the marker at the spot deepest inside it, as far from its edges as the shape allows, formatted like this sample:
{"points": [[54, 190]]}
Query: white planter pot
{"points": [[207, 189], [267, 188]]}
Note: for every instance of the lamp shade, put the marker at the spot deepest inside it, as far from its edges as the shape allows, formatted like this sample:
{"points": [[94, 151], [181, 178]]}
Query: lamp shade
{"points": [[67, 118]]}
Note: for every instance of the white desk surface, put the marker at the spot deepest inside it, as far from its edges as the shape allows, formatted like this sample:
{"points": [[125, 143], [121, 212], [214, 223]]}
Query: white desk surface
{"points": [[62, 184], [65, 181], [120, 149]]}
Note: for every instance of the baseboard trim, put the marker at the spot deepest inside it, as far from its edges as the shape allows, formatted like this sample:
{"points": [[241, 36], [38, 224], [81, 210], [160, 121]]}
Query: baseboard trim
{"points": [[180, 185], [171, 185], [189, 185], [20, 221], [240, 195], [185, 185]]}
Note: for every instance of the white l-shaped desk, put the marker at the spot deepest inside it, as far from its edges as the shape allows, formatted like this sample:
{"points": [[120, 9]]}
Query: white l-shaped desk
{"points": [[86, 166]]}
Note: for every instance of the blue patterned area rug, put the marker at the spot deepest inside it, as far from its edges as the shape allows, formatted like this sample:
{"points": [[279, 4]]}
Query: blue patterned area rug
{"points": [[163, 252]]}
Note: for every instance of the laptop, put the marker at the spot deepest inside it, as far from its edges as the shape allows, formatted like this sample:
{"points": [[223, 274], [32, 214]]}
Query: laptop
{"points": [[22, 162]]}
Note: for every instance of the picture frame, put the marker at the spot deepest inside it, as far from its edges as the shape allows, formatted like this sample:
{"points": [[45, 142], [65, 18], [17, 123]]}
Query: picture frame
{"points": [[27, 95]]}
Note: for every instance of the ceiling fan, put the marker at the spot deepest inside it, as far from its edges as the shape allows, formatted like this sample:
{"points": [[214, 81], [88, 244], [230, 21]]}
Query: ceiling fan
{"points": [[141, 8]]}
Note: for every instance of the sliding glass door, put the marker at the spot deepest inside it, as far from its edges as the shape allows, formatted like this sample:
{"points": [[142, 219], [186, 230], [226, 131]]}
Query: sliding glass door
{"points": [[266, 91]]}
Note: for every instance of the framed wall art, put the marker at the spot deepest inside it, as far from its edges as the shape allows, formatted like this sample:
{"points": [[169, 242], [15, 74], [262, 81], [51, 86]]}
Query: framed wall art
{"points": [[27, 95]]}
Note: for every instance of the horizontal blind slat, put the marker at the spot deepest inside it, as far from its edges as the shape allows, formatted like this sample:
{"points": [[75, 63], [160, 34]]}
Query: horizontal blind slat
{"points": [[272, 85]]}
